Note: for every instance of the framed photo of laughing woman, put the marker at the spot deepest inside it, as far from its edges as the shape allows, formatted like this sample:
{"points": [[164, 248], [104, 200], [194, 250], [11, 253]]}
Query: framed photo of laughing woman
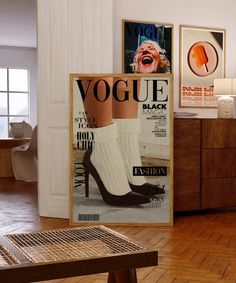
{"points": [[147, 47]]}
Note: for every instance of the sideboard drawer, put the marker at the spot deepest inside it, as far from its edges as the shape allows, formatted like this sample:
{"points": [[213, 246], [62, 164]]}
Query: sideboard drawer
{"points": [[218, 133], [218, 193], [218, 163]]}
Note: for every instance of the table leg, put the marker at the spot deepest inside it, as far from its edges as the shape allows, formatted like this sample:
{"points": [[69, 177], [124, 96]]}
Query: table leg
{"points": [[123, 276]]}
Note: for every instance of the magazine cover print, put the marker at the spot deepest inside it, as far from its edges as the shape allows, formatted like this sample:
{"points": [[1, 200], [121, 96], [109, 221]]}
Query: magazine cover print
{"points": [[121, 149], [147, 47]]}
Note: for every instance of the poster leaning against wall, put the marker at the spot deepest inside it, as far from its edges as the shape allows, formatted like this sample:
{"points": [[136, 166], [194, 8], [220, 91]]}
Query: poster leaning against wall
{"points": [[202, 59], [121, 149]]}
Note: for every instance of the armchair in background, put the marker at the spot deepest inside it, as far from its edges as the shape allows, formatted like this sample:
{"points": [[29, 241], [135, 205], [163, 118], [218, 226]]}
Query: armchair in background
{"points": [[25, 160]]}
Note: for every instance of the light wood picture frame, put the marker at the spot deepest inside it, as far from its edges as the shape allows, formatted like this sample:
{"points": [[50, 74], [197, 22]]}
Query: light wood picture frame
{"points": [[202, 59], [152, 95], [147, 47]]}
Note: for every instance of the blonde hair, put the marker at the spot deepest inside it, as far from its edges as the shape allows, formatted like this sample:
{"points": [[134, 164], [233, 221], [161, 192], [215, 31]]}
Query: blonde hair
{"points": [[164, 64]]}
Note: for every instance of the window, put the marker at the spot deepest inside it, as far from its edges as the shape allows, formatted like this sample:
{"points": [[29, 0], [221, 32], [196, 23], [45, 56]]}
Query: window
{"points": [[14, 98]]}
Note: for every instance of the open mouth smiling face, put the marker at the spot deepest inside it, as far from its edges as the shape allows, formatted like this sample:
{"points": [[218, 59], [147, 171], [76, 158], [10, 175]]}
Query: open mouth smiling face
{"points": [[148, 59]]}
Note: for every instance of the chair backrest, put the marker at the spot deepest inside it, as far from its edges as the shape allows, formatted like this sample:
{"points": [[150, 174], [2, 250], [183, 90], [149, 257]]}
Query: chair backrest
{"points": [[33, 141]]}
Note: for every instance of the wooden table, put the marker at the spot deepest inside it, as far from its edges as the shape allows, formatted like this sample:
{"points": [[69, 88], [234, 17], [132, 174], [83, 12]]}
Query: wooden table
{"points": [[30, 257], [5, 154]]}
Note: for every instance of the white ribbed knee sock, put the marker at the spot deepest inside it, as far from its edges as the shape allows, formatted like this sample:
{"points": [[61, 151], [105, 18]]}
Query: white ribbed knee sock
{"points": [[128, 141], [107, 160]]}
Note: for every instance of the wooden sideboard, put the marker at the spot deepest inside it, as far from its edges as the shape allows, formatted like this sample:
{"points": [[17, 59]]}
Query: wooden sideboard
{"points": [[5, 155], [204, 163]]}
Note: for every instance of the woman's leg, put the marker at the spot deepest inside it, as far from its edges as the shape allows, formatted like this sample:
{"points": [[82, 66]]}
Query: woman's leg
{"points": [[125, 116], [106, 157], [98, 113]]}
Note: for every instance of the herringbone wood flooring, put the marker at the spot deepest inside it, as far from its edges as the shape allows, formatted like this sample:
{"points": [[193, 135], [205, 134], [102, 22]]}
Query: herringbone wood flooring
{"points": [[199, 248]]}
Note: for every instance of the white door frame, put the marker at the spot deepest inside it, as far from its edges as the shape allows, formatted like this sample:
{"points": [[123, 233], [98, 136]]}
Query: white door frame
{"points": [[71, 37]]}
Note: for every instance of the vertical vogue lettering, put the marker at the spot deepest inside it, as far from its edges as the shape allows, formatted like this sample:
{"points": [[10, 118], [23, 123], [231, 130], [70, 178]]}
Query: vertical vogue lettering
{"points": [[102, 90]]}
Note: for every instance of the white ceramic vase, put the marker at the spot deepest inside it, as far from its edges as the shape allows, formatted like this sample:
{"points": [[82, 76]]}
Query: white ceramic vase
{"points": [[17, 129]]}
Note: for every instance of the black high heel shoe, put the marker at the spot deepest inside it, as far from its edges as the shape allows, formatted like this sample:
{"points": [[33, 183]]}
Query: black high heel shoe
{"points": [[148, 189], [131, 198]]}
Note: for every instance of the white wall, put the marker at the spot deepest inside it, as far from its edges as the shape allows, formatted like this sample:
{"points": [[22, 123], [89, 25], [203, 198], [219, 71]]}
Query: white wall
{"points": [[208, 13], [18, 23], [19, 57]]}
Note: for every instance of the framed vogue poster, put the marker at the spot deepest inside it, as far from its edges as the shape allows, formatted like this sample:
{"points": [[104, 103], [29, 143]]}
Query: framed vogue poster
{"points": [[202, 59], [147, 47], [121, 149]]}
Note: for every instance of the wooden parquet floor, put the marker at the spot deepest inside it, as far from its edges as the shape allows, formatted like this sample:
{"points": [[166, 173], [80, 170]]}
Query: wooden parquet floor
{"points": [[199, 248]]}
